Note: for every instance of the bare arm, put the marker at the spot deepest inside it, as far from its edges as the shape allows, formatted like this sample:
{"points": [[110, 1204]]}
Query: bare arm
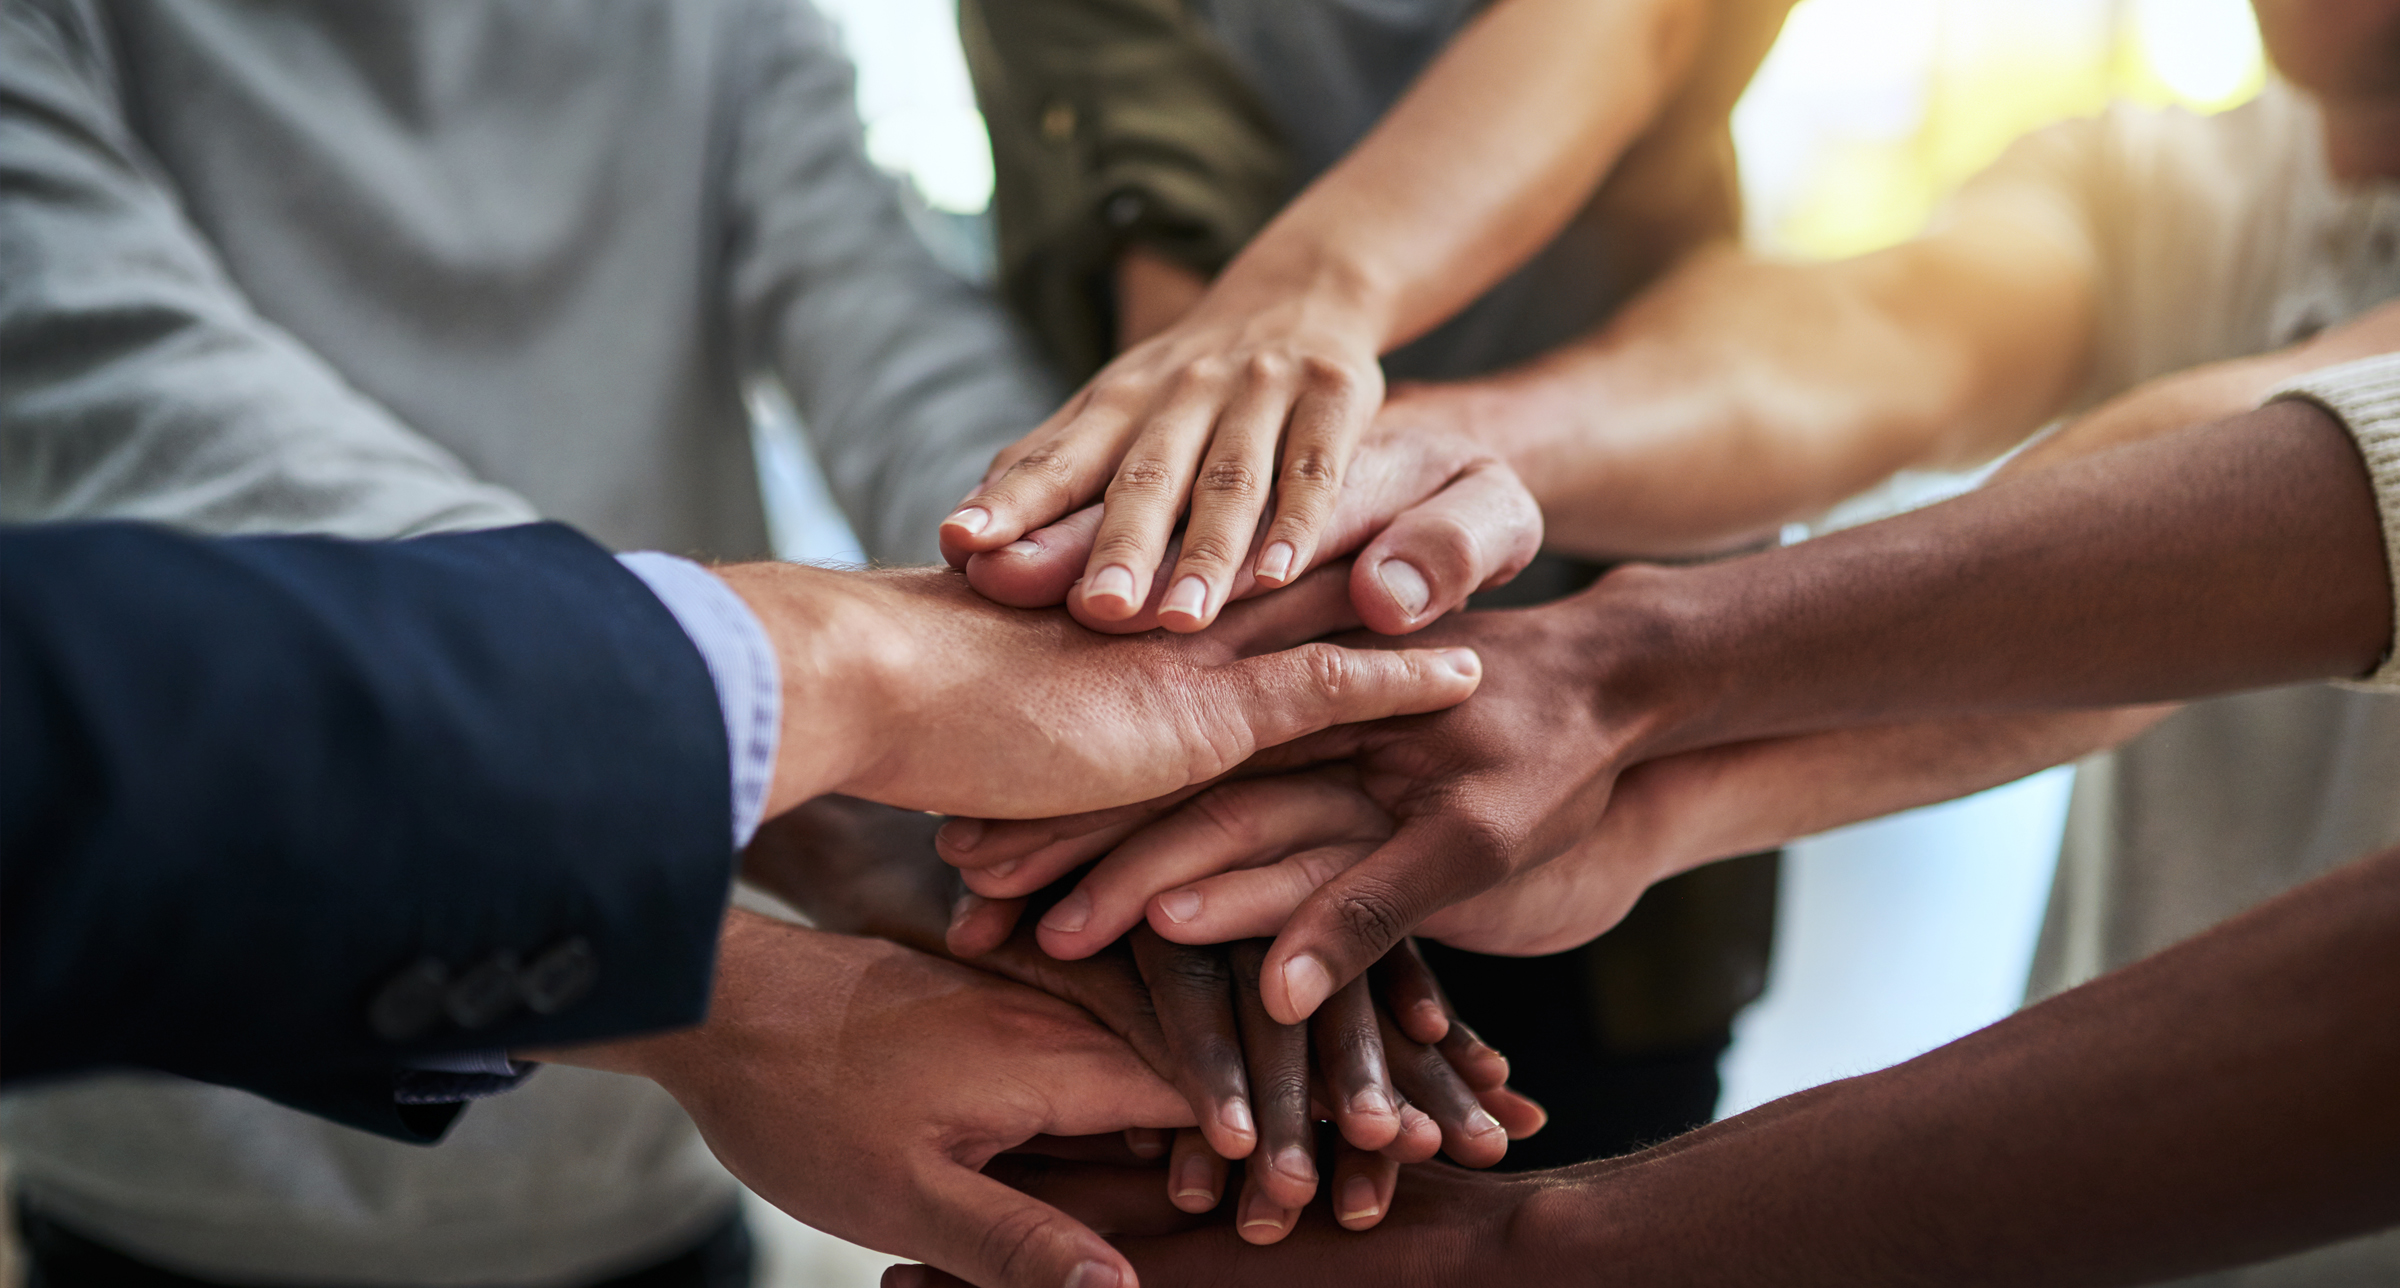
{"points": [[1741, 393], [1478, 166], [2220, 1103]]}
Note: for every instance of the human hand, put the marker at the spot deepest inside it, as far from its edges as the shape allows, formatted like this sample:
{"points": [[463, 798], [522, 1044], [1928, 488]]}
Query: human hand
{"points": [[1499, 785], [1391, 1067], [1237, 860], [1447, 1227], [1253, 393], [861, 1086], [910, 689], [1438, 514]]}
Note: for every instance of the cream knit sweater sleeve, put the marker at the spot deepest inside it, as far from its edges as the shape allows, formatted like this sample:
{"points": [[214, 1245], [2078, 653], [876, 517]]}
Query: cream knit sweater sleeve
{"points": [[2365, 396]]}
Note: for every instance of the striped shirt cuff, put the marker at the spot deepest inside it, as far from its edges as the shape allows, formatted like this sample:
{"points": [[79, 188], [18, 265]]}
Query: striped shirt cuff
{"points": [[741, 661]]}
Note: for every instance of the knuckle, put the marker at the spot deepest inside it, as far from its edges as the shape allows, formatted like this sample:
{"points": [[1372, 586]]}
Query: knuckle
{"points": [[1143, 478], [1045, 466], [1228, 480], [1329, 374], [1208, 371], [1332, 669], [1012, 1244], [1270, 367], [1368, 915], [1311, 469], [1194, 975], [1230, 817], [1208, 552]]}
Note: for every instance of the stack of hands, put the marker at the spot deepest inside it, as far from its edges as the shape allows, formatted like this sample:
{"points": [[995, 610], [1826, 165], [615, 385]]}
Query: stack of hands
{"points": [[1193, 857]]}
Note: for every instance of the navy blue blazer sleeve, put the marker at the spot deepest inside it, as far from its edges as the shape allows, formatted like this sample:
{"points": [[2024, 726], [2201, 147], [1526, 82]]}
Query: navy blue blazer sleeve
{"points": [[285, 812]]}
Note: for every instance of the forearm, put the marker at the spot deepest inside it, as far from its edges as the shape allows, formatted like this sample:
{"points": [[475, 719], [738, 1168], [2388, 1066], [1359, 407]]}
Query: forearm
{"points": [[2221, 1102], [2227, 556], [1510, 128], [2211, 392], [1748, 797], [1740, 393]]}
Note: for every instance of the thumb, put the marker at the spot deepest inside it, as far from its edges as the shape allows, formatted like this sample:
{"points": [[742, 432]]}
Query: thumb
{"points": [[1347, 924], [996, 1237], [1282, 696], [1481, 530]]}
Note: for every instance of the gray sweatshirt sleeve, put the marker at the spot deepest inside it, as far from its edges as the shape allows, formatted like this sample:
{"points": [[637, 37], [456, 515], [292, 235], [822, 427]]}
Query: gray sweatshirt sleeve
{"points": [[907, 377], [136, 382], [2365, 396]]}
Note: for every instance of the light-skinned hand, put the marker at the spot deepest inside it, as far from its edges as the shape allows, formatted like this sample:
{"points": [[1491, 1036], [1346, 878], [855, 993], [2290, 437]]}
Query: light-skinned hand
{"points": [[861, 1086], [1433, 514]]}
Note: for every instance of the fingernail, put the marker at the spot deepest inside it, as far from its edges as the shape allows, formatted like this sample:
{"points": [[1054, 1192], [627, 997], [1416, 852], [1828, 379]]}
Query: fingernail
{"points": [[1371, 1101], [1003, 870], [971, 520], [1113, 582], [962, 833], [1236, 1116], [1406, 584], [1277, 561], [1180, 905], [1306, 984], [1022, 548], [1070, 913], [1145, 1146], [1192, 1180], [1358, 1200], [1093, 1274], [1260, 1213], [1294, 1162], [1480, 1123], [1430, 1018], [1189, 597], [1462, 662], [966, 906]]}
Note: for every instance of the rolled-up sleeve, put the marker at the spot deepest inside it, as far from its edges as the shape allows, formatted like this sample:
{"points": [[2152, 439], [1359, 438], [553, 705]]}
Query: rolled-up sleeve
{"points": [[2365, 397]]}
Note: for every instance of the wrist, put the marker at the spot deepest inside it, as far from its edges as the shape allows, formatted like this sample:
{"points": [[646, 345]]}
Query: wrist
{"points": [[1337, 289], [1652, 671], [831, 649]]}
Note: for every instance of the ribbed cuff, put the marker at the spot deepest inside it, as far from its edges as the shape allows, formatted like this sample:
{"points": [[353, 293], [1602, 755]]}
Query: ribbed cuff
{"points": [[2365, 397]]}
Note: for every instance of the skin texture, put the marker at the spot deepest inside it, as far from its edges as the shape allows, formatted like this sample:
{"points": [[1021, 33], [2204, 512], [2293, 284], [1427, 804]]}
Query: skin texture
{"points": [[861, 1086], [1433, 516], [1264, 387], [857, 868], [910, 689], [2222, 1102], [2083, 577]]}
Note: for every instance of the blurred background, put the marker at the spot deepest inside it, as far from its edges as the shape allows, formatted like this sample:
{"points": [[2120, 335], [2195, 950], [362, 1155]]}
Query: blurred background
{"points": [[1894, 936]]}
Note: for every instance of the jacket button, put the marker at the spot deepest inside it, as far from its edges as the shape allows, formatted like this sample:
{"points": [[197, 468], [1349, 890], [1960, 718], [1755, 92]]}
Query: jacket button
{"points": [[560, 977], [483, 995], [410, 1003]]}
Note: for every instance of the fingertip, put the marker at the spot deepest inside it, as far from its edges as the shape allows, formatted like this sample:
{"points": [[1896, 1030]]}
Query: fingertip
{"points": [[1186, 607], [1358, 1205], [1112, 594], [1276, 563], [978, 925], [1406, 586], [1294, 991], [1426, 1022], [957, 839]]}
